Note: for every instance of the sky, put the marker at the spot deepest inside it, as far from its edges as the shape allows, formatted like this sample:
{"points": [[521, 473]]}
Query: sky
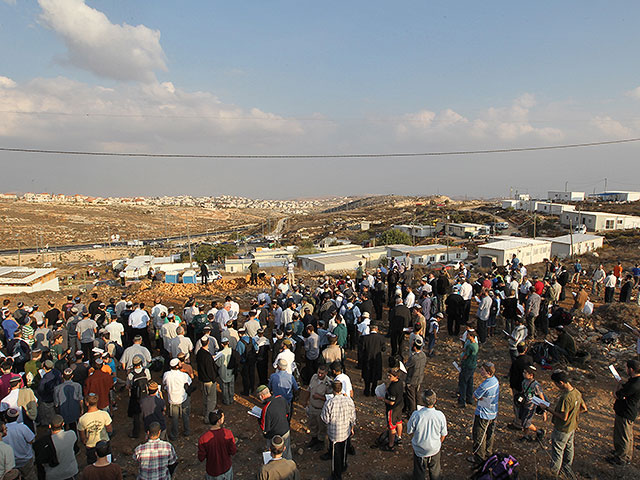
{"points": [[279, 77]]}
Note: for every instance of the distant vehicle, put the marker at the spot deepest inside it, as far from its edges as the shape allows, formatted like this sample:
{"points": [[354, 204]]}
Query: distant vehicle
{"points": [[453, 265], [97, 245], [135, 243], [516, 234], [212, 277], [46, 265], [580, 229], [98, 264], [108, 283], [502, 225]]}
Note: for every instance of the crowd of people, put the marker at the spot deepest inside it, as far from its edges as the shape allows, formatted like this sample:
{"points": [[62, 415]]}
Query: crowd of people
{"points": [[61, 369]]}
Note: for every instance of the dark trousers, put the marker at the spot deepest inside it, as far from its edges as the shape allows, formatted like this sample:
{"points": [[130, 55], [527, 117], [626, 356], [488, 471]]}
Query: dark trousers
{"points": [[531, 326], [411, 393], [467, 311], [338, 459], [352, 340], [623, 438], [482, 330], [263, 369], [465, 386], [137, 425], [254, 279], [453, 324], [608, 294], [422, 465], [482, 434], [396, 339], [248, 378], [86, 349]]}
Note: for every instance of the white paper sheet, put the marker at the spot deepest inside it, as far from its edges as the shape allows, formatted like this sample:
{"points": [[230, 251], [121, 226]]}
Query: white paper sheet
{"points": [[615, 373], [381, 390], [455, 364]]}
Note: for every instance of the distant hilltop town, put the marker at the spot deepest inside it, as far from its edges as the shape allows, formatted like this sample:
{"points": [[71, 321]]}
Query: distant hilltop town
{"points": [[224, 201]]}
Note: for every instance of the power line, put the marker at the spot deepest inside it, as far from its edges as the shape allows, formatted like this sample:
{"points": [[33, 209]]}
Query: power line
{"points": [[339, 155]]}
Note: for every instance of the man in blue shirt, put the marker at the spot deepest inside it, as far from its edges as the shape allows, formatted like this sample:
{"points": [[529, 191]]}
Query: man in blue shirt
{"points": [[429, 429], [282, 382], [486, 395]]}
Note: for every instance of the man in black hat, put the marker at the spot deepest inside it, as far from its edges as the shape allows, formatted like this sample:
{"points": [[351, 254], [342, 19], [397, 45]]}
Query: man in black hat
{"points": [[372, 347], [49, 381], [20, 438]]}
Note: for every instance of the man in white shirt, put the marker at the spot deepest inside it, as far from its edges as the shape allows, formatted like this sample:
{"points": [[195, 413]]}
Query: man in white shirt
{"points": [[174, 382], [609, 287], [429, 429], [159, 314], [287, 355], [234, 308], [115, 330], [138, 321], [466, 292], [168, 332], [223, 316], [287, 314], [410, 299], [340, 376]]}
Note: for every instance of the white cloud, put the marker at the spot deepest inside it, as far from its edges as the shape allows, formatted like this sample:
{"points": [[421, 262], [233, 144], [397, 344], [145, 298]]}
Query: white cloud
{"points": [[6, 82], [611, 127], [509, 124], [137, 117], [121, 52], [635, 93]]}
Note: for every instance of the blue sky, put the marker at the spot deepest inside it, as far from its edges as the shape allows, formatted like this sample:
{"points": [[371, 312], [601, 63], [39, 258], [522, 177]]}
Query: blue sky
{"points": [[318, 77]]}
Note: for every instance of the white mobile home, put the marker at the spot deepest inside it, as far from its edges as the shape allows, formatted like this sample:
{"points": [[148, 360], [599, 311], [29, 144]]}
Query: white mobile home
{"points": [[599, 221], [464, 230], [420, 231], [576, 244], [550, 208], [616, 196], [527, 250], [27, 280], [565, 196]]}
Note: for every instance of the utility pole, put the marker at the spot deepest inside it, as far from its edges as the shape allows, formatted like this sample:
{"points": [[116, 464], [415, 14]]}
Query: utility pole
{"points": [[186, 215], [18, 240], [566, 184], [109, 235], [571, 238], [534, 225], [605, 184]]}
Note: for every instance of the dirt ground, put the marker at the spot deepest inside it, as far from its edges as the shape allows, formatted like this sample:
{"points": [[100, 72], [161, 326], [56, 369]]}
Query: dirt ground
{"points": [[60, 224], [593, 439]]}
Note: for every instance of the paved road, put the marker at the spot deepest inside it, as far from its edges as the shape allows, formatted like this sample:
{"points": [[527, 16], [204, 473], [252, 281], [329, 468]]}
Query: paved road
{"points": [[67, 248]]}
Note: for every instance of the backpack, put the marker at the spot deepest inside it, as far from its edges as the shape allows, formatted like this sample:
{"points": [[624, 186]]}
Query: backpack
{"points": [[139, 385], [349, 316], [500, 466]]}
